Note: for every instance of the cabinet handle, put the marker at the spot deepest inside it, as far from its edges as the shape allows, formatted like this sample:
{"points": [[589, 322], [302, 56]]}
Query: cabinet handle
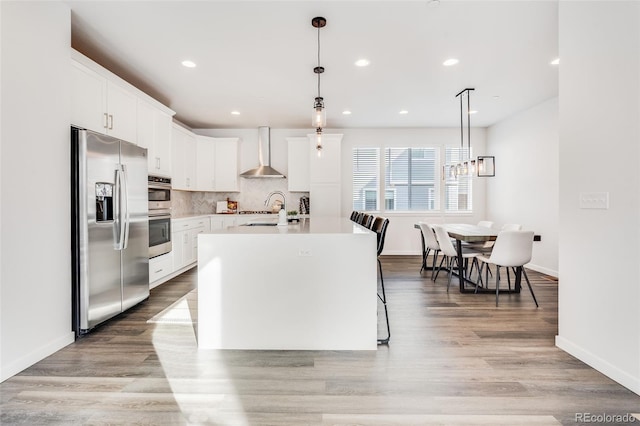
{"points": [[110, 122], [158, 271], [158, 163], [106, 121]]}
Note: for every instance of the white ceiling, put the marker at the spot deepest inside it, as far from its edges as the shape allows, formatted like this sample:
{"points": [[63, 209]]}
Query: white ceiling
{"points": [[258, 58]]}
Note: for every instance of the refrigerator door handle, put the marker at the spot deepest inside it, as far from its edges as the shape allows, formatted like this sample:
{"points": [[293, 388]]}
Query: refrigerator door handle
{"points": [[125, 186], [120, 220]]}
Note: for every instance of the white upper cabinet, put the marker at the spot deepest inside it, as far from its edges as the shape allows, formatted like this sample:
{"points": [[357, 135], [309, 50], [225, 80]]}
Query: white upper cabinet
{"points": [[103, 102], [88, 98], [122, 118], [298, 159], [217, 164], [205, 165], [183, 148], [226, 164], [154, 133], [101, 106]]}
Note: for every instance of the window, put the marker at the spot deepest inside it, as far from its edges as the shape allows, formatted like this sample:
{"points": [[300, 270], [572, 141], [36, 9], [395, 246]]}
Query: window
{"points": [[457, 192], [410, 179], [366, 170]]}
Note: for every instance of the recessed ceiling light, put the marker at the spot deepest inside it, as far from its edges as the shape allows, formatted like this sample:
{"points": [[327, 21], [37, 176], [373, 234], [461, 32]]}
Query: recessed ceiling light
{"points": [[235, 112], [555, 61], [362, 62], [433, 3], [189, 64], [450, 61], [404, 111], [346, 112]]}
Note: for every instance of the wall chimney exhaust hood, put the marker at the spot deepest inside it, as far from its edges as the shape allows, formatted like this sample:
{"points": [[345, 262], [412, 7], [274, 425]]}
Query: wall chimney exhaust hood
{"points": [[264, 170]]}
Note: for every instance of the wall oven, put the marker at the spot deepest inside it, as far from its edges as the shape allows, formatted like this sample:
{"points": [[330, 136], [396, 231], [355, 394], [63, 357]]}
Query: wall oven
{"points": [[159, 215]]}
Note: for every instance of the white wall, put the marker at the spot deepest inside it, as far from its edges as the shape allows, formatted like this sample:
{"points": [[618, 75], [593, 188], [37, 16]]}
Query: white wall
{"points": [[525, 188], [599, 290], [402, 237], [35, 277]]}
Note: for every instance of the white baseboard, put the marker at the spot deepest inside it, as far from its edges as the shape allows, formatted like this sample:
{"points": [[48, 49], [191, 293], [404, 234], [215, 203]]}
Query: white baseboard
{"points": [[625, 379], [39, 354], [542, 270]]}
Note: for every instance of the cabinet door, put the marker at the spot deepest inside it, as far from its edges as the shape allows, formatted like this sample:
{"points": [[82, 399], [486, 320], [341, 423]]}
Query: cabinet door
{"points": [[160, 267], [146, 132], [178, 150], [206, 151], [298, 159], [325, 187], [190, 161], [177, 247], [217, 223], [88, 98], [325, 200], [122, 113], [226, 164], [194, 243], [326, 169], [162, 131]]}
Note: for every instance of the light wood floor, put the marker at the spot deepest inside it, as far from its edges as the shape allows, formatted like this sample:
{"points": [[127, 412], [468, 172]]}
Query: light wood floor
{"points": [[453, 359]]}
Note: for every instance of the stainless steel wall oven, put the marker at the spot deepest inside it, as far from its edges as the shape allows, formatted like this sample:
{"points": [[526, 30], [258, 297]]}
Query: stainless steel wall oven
{"points": [[159, 215]]}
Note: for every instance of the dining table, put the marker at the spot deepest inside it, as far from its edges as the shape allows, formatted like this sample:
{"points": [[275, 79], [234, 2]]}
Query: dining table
{"points": [[467, 233]]}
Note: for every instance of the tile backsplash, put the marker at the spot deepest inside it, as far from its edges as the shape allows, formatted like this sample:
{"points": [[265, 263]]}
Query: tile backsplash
{"points": [[252, 195]]}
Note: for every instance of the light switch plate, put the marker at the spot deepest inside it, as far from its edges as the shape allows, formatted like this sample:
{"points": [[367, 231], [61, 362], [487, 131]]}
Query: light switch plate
{"points": [[594, 200]]}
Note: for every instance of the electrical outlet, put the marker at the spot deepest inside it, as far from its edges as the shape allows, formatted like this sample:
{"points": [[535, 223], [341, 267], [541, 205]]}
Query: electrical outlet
{"points": [[594, 200], [304, 252]]}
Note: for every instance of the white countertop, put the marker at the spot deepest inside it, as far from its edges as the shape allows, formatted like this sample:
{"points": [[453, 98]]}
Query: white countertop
{"points": [[319, 225], [194, 215]]}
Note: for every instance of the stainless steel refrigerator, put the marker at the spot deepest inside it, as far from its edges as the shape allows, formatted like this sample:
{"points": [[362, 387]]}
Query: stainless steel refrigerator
{"points": [[110, 228]]}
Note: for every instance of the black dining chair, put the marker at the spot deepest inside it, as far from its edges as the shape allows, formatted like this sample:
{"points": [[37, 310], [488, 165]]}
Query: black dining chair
{"points": [[366, 220], [379, 226], [354, 215]]}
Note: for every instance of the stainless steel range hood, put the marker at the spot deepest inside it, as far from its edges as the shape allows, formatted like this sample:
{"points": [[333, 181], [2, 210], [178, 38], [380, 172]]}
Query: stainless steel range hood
{"points": [[264, 170]]}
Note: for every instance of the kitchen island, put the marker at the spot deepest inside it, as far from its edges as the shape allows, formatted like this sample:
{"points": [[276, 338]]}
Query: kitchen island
{"points": [[307, 285]]}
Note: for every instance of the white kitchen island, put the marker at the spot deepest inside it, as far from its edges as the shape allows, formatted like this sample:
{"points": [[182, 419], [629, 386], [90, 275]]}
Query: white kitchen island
{"points": [[309, 285]]}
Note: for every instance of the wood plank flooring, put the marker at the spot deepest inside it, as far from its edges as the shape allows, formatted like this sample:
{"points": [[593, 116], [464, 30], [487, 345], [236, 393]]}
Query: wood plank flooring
{"points": [[453, 359]]}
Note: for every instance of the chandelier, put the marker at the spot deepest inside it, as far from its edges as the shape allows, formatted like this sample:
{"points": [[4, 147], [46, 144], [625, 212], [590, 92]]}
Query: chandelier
{"points": [[482, 166]]}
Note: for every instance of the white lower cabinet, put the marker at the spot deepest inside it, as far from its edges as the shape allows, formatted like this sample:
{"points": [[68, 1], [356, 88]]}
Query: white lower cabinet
{"points": [[184, 236], [160, 267]]}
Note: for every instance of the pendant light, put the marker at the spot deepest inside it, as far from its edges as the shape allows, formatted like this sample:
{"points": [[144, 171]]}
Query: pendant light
{"points": [[482, 166], [319, 117], [465, 164]]}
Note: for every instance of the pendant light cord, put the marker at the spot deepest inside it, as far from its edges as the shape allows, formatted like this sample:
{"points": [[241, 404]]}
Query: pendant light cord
{"points": [[318, 60]]}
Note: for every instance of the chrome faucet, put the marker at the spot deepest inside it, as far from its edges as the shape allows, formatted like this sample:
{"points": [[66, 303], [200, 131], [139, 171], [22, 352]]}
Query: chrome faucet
{"points": [[280, 193]]}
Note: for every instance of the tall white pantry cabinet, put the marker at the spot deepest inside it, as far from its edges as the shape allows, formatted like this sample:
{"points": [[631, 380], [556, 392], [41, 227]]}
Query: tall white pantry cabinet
{"points": [[325, 177]]}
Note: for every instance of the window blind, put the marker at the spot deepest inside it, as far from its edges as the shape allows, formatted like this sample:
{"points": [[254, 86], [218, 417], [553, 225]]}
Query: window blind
{"points": [[366, 183], [410, 179]]}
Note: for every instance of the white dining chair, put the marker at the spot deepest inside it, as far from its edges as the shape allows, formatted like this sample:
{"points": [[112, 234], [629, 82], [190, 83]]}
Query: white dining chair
{"points": [[451, 254], [430, 245], [512, 249]]}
